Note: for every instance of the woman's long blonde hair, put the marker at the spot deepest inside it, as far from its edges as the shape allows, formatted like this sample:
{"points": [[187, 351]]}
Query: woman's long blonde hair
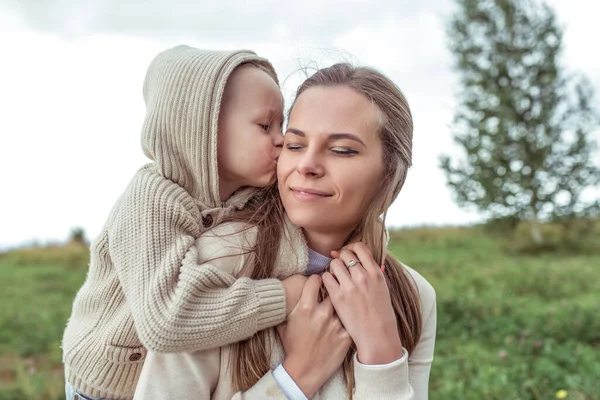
{"points": [[250, 359]]}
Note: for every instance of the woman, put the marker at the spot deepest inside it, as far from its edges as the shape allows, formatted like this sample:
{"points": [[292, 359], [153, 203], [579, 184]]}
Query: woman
{"points": [[346, 153]]}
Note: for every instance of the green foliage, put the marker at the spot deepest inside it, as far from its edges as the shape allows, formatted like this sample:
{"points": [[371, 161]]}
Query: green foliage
{"points": [[38, 287], [566, 236], [509, 326], [73, 255], [501, 225], [523, 126], [77, 235]]}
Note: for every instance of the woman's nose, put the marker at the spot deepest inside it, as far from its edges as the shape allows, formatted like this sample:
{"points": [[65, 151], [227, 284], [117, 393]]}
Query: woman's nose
{"points": [[310, 165]]}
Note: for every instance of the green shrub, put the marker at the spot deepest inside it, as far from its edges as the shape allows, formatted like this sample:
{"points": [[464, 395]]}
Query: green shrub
{"points": [[73, 255], [569, 236], [510, 325]]}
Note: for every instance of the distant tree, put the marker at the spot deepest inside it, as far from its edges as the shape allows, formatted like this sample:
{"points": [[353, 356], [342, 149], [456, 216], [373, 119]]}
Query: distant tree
{"points": [[77, 235], [525, 127]]}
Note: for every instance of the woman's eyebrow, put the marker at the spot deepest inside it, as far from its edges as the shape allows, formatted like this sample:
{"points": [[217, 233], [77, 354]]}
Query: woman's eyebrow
{"points": [[296, 132], [332, 136], [338, 136]]}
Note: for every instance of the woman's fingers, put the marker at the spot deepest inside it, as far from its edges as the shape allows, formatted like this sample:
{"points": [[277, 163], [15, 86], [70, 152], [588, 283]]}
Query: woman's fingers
{"points": [[365, 256], [339, 269], [347, 255], [310, 292], [327, 306], [353, 263], [331, 284]]}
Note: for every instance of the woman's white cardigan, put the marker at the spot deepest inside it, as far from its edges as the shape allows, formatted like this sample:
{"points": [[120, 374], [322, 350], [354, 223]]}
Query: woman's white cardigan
{"points": [[205, 374]]}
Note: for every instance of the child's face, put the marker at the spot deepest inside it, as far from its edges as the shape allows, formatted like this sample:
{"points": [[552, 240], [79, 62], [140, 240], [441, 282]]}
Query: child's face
{"points": [[250, 137]]}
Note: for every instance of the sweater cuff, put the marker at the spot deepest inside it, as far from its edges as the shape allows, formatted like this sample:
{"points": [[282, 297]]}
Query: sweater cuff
{"points": [[287, 384], [388, 381], [380, 366], [271, 303]]}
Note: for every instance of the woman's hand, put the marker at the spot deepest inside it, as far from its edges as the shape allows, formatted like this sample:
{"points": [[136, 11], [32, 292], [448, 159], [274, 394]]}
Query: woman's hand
{"points": [[362, 301], [293, 286], [314, 340]]}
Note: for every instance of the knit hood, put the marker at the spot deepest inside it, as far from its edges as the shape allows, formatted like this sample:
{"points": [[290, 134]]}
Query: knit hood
{"points": [[183, 91]]}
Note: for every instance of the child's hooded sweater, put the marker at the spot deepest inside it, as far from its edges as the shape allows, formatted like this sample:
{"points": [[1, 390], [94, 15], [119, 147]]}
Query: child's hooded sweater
{"points": [[145, 289]]}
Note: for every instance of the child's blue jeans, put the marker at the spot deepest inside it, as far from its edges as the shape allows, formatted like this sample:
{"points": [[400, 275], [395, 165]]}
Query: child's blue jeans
{"points": [[74, 394]]}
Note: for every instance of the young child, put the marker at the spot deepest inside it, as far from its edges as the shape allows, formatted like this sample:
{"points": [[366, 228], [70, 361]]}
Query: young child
{"points": [[213, 133]]}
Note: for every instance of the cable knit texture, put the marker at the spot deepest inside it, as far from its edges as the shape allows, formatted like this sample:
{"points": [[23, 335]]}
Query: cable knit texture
{"points": [[145, 288], [207, 374]]}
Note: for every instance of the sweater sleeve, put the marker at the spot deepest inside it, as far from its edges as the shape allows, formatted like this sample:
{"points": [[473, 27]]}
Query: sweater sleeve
{"points": [[407, 379], [177, 304]]}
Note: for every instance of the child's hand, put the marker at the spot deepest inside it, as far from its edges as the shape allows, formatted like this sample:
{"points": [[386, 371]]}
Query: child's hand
{"points": [[293, 290], [314, 340]]}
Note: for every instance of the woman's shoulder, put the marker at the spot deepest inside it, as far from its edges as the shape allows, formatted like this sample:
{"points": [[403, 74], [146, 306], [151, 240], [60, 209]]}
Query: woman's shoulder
{"points": [[426, 290], [226, 240], [234, 230]]}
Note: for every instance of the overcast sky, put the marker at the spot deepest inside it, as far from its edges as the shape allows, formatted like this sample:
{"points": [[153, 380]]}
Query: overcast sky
{"points": [[71, 89]]}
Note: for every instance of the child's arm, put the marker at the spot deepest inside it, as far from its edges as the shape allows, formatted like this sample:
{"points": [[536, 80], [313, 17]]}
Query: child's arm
{"points": [[178, 305]]}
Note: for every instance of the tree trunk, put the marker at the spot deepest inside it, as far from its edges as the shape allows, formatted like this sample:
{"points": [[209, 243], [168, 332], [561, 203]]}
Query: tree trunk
{"points": [[536, 232]]}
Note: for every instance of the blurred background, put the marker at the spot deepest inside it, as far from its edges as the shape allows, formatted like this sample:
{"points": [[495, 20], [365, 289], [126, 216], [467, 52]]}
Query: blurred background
{"points": [[500, 211]]}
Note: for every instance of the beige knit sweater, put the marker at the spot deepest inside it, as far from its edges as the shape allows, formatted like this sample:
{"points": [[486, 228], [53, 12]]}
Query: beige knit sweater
{"points": [[145, 289], [205, 374]]}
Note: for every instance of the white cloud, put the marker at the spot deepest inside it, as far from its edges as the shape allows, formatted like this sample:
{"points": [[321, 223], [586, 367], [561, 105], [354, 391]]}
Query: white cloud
{"points": [[212, 21]]}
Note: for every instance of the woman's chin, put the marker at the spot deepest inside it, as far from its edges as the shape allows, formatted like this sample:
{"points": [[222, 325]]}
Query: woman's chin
{"points": [[309, 221], [302, 219]]}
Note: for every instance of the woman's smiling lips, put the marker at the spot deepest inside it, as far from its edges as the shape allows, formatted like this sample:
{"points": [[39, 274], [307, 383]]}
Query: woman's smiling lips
{"points": [[301, 193]]}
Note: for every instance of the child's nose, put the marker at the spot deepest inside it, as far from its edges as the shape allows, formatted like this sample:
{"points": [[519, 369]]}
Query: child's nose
{"points": [[278, 139]]}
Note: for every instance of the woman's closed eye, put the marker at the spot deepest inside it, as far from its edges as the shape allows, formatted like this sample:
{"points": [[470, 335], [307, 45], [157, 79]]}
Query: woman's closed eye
{"points": [[344, 151], [293, 146], [265, 127], [339, 151]]}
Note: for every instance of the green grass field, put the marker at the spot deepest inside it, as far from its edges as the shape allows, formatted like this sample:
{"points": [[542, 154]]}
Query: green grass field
{"points": [[509, 327]]}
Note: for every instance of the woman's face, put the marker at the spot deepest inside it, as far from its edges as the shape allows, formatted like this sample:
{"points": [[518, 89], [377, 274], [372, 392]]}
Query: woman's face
{"points": [[331, 167]]}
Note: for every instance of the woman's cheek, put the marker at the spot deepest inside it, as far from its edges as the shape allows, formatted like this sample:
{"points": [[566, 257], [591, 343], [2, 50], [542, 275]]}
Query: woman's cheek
{"points": [[281, 164]]}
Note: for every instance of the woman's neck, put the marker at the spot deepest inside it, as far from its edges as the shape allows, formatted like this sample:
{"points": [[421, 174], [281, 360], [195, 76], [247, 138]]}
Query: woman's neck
{"points": [[324, 243]]}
